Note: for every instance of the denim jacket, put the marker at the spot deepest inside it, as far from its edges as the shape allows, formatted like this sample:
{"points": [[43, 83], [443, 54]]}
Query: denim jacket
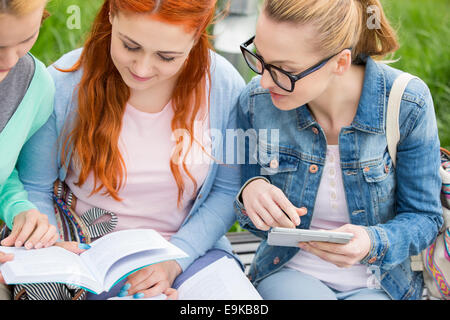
{"points": [[399, 207], [211, 214]]}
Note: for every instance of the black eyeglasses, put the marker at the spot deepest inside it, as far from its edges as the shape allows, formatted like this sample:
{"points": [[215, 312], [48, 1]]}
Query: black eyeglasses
{"points": [[283, 79]]}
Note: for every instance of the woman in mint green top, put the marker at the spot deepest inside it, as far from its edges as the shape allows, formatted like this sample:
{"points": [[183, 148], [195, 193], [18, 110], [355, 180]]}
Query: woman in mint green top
{"points": [[26, 102], [31, 113]]}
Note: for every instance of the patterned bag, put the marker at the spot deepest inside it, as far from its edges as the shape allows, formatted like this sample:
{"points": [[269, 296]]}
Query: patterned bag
{"points": [[71, 227], [435, 260]]}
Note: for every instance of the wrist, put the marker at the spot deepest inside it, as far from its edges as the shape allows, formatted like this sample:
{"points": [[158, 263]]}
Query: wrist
{"points": [[250, 181], [174, 270]]}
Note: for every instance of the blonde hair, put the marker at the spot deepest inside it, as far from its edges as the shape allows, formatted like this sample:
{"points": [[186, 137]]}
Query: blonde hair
{"points": [[21, 7], [340, 24]]}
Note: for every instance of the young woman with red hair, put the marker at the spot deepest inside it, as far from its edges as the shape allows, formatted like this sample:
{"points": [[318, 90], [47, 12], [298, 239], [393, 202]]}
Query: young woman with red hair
{"points": [[131, 133]]}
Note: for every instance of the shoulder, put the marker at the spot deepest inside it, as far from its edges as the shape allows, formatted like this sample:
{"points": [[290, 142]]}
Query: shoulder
{"points": [[67, 61], [224, 75], [253, 91], [40, 92], [226, 86], [417, 94], [27, 66], [45, 81], [253, 88], [43, 86], [65, 82], [417, 111]]}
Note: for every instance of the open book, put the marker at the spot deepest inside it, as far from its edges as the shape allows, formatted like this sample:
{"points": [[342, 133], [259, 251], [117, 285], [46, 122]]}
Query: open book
{"points": [[221, 280], [109, 260]]}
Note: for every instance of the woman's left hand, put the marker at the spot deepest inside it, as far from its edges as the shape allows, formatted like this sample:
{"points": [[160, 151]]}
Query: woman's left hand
{"points": [[342, 255], [153, 280]]}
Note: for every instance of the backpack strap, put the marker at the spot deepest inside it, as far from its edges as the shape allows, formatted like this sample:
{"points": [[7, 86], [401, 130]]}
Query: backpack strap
{"points": [[393, 134], [393, 113]]}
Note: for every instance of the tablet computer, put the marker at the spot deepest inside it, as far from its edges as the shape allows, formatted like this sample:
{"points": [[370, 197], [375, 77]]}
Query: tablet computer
{"points": [[288, 237]]}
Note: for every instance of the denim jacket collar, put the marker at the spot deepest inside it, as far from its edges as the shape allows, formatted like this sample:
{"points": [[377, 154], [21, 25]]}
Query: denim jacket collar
{"points": [[374, 89]]}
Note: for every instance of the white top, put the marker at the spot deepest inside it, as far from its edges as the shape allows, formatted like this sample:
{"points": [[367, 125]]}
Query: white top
{"points": [[330, 212]]}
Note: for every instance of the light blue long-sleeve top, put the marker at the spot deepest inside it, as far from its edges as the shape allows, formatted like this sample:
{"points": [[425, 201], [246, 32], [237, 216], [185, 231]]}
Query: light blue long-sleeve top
{"points": [[212, 212]]}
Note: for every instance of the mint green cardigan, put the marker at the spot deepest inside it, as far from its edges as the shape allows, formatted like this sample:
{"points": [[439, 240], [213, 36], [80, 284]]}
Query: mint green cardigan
{"points": [[32, 113]]}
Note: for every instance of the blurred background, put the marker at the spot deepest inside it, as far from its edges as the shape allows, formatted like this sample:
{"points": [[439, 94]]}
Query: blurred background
{"points": [[423, 28]]}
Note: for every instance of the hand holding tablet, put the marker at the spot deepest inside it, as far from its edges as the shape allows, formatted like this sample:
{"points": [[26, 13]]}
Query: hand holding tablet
{"points": [[288, 237]]}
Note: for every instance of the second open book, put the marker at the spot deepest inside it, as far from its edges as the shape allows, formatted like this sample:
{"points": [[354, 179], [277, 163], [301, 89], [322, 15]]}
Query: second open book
{"points": [[110, 259]]}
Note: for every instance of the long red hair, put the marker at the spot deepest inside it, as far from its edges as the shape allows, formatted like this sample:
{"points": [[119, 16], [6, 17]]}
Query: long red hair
{"points": [[102, 94]]}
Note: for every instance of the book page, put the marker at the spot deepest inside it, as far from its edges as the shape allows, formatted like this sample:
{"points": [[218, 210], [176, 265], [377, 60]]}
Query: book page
{"points": [[221, 280], [109, 249], [131, 263], [53, 264]]}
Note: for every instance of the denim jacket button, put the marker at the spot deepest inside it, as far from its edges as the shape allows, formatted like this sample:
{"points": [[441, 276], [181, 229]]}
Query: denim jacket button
{"points": [[372, 260], [366, 169], [313, 168], [276, 260], [386, 169], [315, 130], [274, 164]]}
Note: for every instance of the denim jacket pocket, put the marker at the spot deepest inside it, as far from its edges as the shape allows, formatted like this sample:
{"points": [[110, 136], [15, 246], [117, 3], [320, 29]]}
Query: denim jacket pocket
{"points": [[380, 179], [380, 174], [277, 165]]}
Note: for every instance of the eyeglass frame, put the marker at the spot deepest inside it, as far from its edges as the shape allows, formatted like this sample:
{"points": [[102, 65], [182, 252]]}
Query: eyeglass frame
{"points": [[293, 77]]}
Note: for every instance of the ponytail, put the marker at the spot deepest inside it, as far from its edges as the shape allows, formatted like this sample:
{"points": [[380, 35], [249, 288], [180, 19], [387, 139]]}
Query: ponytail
{"points": [[377, 37]]}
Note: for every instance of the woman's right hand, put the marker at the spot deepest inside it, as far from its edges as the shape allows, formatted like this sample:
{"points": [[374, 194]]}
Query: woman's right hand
{"points": [[32, 230], [264, 204]]}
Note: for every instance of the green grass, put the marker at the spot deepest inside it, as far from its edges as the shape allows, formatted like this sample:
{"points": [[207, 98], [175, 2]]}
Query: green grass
{"points": [[423, 28], [55, 37]]}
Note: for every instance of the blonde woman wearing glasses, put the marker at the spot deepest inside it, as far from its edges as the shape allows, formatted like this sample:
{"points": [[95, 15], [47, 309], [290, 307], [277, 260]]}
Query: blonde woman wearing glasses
{"points": [[324, 164]]}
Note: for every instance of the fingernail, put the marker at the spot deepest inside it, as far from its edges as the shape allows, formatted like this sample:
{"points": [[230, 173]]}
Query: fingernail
{"points": [[28, 245], [84, 246], [38, 245], [18, 243], [126, 287], [138, 295], [122, 293]]}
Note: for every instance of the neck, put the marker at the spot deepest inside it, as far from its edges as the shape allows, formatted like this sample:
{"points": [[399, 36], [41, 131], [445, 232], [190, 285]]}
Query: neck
{"points": [[154, 99], [337, 106]]}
